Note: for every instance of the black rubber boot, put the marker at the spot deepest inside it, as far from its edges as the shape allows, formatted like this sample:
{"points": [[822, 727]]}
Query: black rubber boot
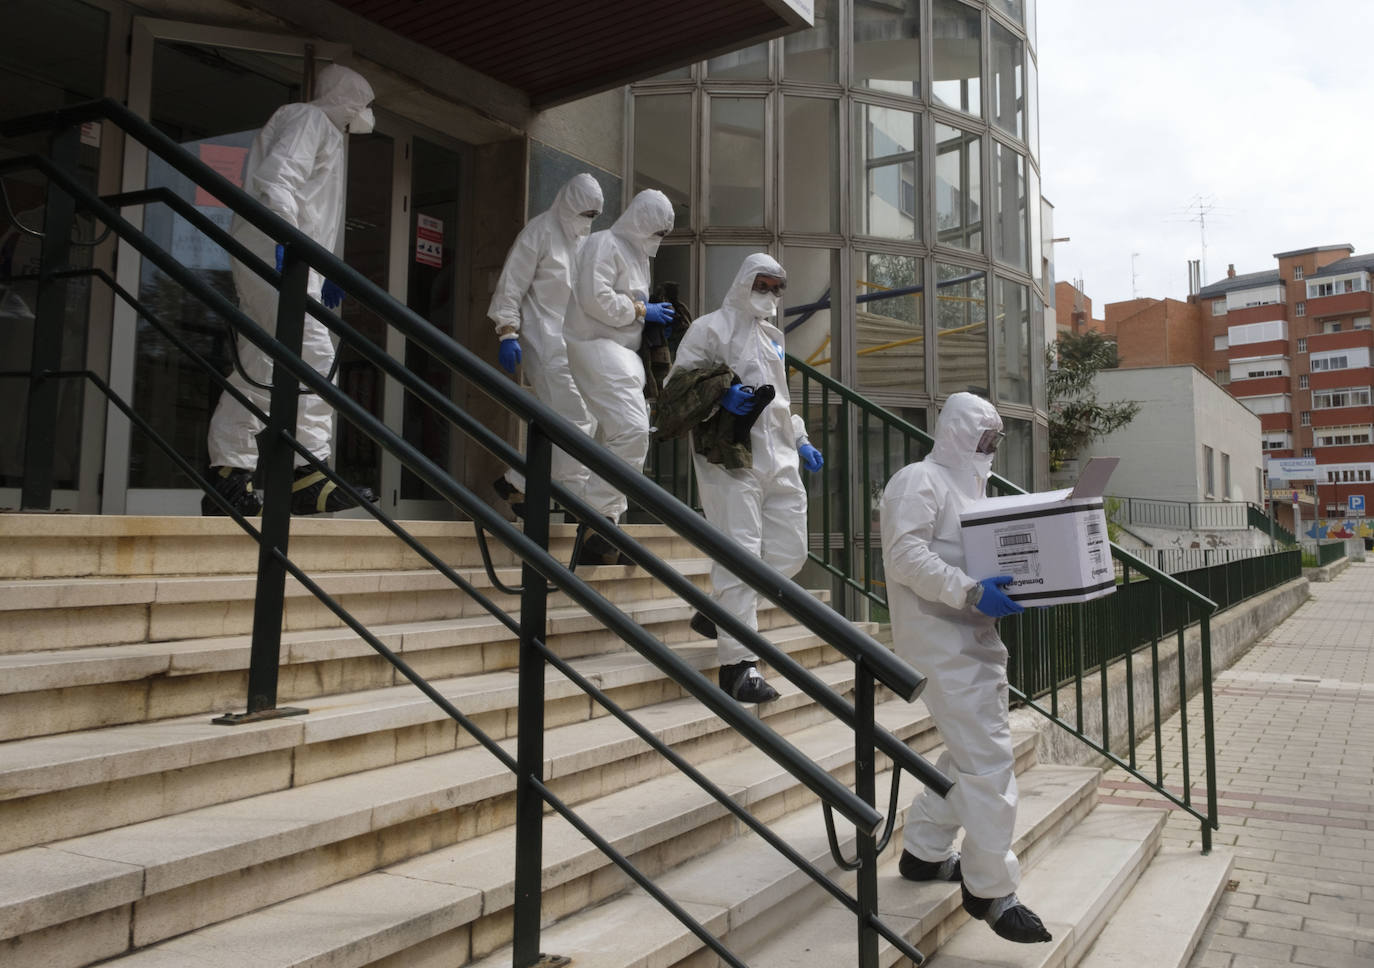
{"points": [[1009, 918], [703, 626], [234, 484], [743, 682], [313, 493], [913, 868], [506, 491], [596, 550]]}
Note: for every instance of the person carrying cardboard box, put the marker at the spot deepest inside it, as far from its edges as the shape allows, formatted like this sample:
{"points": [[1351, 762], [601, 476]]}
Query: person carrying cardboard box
{"points": [[944, 623]]}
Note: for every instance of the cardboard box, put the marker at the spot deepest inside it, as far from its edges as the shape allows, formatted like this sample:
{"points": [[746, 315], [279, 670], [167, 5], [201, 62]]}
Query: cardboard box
{"points": [[1053, 544]]}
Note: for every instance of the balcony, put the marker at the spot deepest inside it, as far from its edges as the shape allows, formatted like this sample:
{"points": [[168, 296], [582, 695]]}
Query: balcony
{"points": [[1344, 340], [1340, 304], [1259, 386], [1270, 312]]}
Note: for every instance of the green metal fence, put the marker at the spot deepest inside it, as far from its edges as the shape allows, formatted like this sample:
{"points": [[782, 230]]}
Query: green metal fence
{"points": [[1262, 520]]}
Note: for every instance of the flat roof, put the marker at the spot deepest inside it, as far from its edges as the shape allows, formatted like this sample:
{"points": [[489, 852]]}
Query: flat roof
{"points": [[1346, 246]]}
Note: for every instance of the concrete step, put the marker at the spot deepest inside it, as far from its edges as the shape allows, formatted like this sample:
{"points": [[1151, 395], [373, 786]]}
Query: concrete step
{"points": [[1076, 889], [62, 613], [1165, 913], [151, 881], [1075, 875], [75, 545], [67, 690], [75, 783], [745, 891]]}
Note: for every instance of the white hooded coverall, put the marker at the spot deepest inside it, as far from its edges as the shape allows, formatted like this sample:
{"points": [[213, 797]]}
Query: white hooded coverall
{"points": [[957, 648], [762, 507], [296, 168], [603, 333], [530, 300]]}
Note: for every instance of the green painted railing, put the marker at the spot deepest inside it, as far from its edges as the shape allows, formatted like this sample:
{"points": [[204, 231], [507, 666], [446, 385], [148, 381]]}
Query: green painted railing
{"points": [[1319, 554], [1261, 520]]}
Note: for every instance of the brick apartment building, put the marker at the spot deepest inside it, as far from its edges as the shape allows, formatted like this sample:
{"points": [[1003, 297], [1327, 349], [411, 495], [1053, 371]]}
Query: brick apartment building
{"points": [[1293, 344]]}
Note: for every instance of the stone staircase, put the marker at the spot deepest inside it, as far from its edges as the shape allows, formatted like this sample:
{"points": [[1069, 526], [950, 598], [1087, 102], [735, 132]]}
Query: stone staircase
{"points": [[373, 831]]}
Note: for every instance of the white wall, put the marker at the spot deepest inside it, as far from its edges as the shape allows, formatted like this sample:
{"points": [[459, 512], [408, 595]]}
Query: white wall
{"points": [[1161, 449]]}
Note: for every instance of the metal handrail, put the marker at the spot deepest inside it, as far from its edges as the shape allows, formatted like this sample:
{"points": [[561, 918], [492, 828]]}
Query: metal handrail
{"points": [[872, 661], [842, 635], [1197, 606]]}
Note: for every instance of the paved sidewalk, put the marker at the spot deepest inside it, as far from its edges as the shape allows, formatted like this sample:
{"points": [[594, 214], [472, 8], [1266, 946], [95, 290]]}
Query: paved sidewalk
{"points": [[1295, 778]]}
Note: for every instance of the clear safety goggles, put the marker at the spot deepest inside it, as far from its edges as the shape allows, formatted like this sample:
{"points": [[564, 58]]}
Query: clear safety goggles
{"points": [[769, 284], [987, 444]]}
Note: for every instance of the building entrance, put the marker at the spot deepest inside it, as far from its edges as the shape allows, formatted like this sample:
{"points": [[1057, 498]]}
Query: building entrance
{"points": [[211, 89]]}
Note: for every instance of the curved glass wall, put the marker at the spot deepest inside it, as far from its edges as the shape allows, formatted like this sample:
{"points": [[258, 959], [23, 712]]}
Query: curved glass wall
{"points": [[888, 157]]}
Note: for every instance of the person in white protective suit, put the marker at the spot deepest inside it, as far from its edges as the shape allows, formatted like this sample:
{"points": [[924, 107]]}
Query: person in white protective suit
{"points": [[763, 507], [295, 167], [603, 328], [528, 306], [944, 623]]}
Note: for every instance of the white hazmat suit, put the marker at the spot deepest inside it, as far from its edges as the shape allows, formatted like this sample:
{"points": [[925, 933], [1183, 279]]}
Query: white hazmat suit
{"points": [[604, 328], [939, 631], [762, 507], [530, 301], [296, 168]]}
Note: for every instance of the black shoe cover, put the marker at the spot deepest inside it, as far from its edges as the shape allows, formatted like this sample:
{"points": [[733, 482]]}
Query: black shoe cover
{"points": [[1020, 924], [1016, 922], [703, 626], [596, 550], [744, 683], [506, 491], [235, 485], [313, 493], [912, 868]]}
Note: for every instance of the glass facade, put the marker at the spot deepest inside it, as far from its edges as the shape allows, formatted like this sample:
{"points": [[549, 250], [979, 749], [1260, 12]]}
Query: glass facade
{"points": [[888, 156]]}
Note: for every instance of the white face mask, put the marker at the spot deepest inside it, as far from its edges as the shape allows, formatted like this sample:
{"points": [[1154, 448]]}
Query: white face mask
{"points": [[363, 122], [764, 304], [651, 246], [582, 226]]}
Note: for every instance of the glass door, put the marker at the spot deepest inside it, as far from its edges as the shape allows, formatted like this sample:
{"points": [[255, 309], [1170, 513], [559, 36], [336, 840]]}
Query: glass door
{"points": [[211, 89], [432, 291]]}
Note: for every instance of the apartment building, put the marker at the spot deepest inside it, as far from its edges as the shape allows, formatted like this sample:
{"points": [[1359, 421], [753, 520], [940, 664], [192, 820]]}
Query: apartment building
{"points": [[1293, 344]]}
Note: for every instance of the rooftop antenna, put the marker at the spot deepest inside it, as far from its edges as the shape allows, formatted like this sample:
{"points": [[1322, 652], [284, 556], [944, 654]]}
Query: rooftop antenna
{"points": [[1199, 208], [1134, 275]]}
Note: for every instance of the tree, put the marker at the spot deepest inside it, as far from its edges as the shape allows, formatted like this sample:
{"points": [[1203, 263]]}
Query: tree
{"points": [[1076, 418]]}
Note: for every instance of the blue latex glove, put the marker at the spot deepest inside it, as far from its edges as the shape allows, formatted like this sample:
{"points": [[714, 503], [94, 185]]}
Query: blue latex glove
{"points": [[660, 312], [281, 256], [331, 295], [509, 355], [995, 602], [739, 399], [811, 458]]}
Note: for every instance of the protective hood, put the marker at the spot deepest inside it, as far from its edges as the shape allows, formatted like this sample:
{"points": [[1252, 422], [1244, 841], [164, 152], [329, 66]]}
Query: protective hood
{"points": [[961, 424], [649, 212], [344, 95], [581, 193], [737, 298]]}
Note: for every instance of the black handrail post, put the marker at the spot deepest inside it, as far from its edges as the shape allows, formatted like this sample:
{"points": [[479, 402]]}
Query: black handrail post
{"points": [[276, 466], [865, 786], [40, 429], [529, 804]]}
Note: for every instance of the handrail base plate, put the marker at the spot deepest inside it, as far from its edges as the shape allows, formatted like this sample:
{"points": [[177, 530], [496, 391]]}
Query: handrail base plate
{"points": [[276, 712]]}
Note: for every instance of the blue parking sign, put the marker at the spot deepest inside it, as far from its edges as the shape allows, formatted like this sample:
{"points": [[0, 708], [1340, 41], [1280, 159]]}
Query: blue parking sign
{"points": [[1354, 503]]}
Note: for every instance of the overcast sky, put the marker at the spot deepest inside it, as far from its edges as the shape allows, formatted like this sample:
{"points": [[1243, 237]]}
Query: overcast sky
{"points": [[1261, 107]]}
